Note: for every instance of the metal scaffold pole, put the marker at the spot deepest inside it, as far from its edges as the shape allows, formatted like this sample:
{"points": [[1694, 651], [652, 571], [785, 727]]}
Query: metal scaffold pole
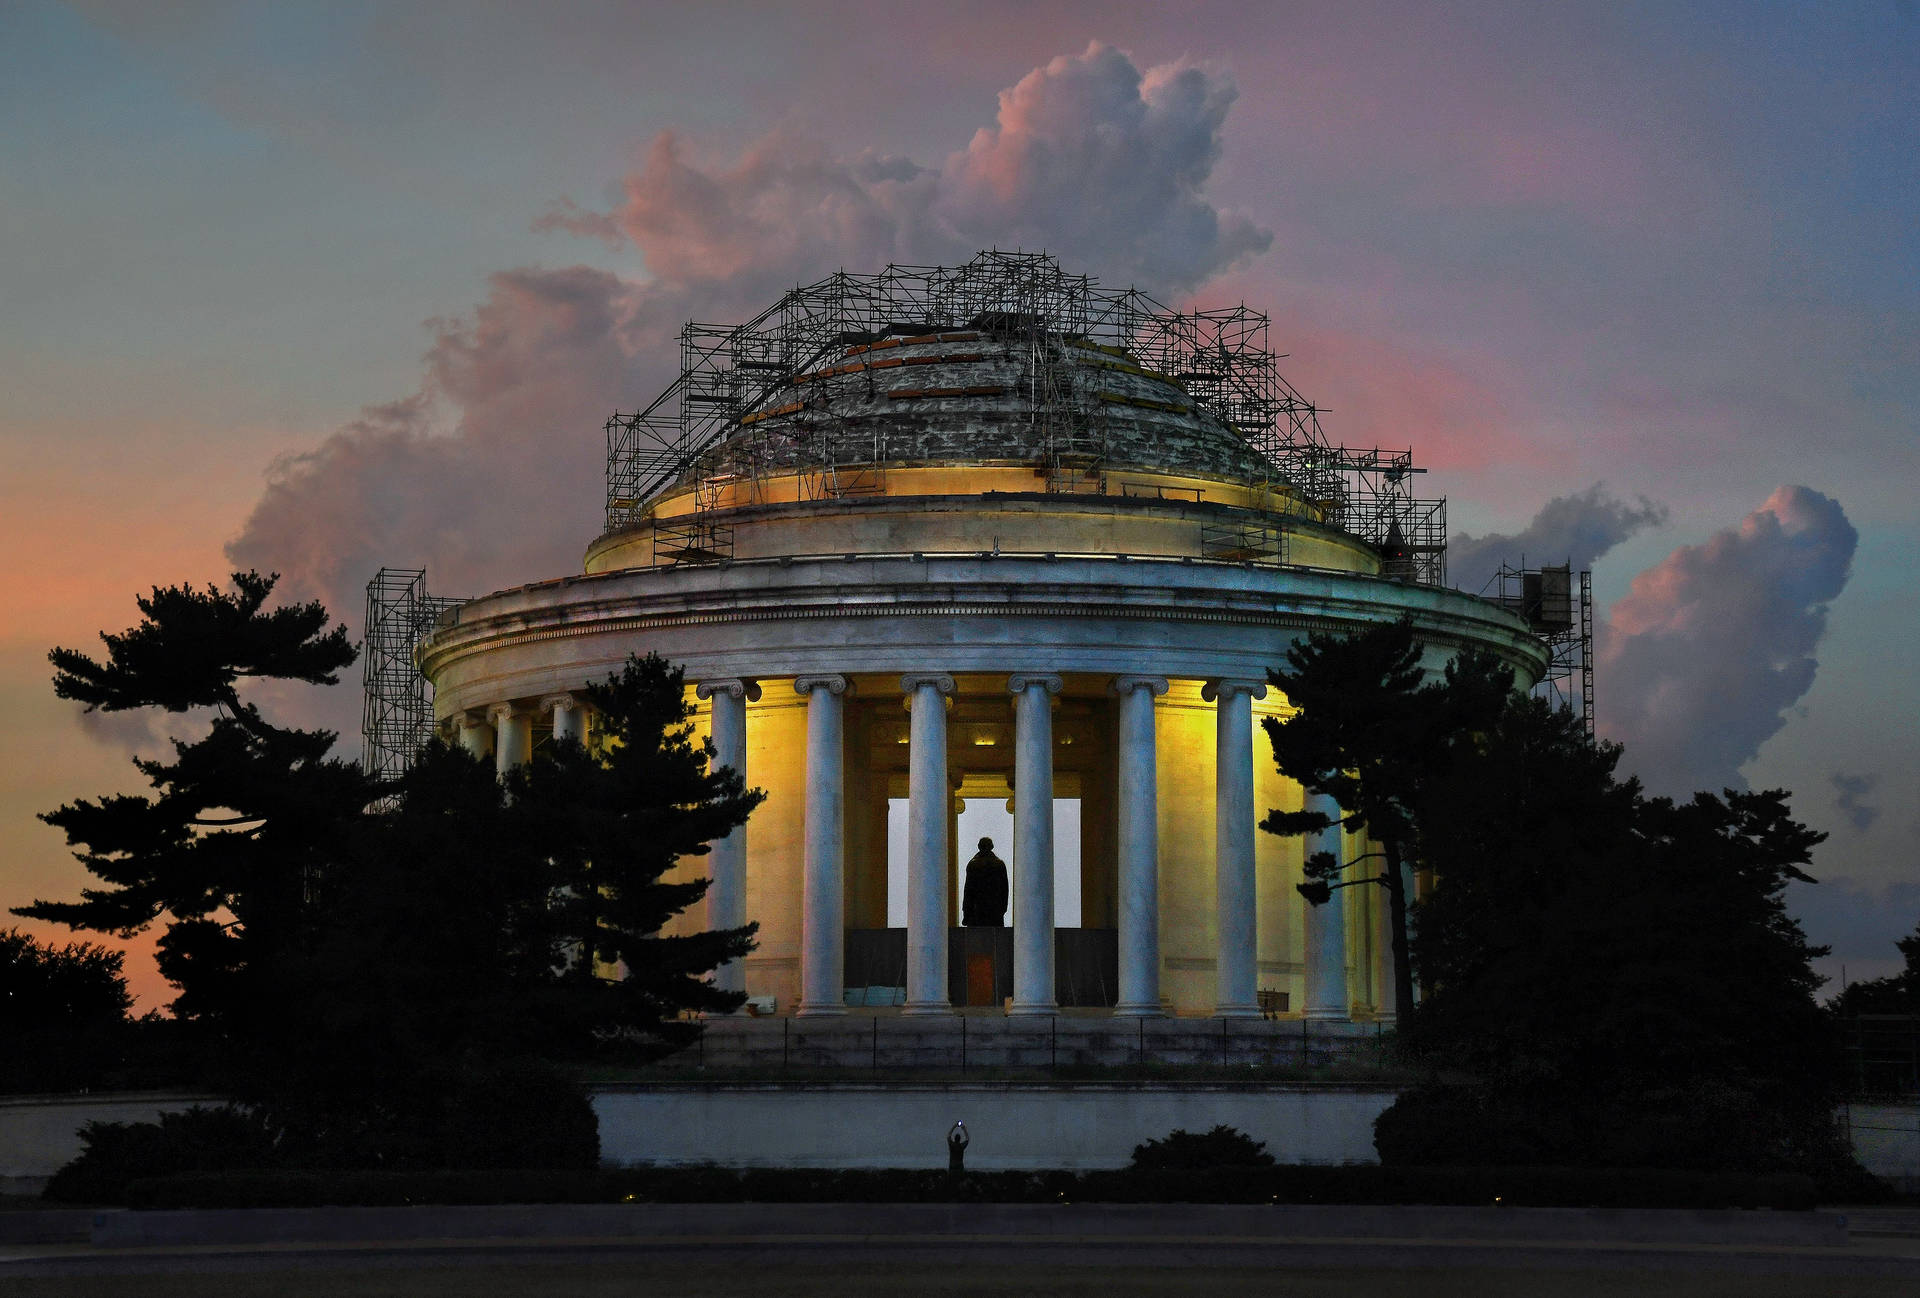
{"points": [[396, 715]]}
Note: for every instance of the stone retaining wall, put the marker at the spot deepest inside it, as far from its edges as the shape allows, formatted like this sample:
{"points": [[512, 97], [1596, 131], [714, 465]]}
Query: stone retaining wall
{"points": [[1012, 1125]]}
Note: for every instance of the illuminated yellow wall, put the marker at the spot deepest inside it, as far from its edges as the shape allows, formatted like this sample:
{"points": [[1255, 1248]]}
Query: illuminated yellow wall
{"points": [[947, 512]]}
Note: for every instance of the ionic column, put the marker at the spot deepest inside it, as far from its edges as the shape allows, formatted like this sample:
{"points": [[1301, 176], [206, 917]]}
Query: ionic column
{"points": [[727, 857], [1033, 843], [1235, 968], [1137, 792], [1327, 926], [513, 737], [928, 795], [569, 717], [823, 904], [476, 736]]}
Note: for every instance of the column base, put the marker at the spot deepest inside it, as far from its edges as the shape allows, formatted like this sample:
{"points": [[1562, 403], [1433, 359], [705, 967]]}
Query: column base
{"points": [[1035, 1011], [1144, 1010], [829, 1010], [1238, 1012], [926, 1010], [1326, 1016]]}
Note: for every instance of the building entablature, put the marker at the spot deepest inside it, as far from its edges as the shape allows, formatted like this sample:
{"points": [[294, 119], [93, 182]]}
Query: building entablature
{"points": [[964, 613]]}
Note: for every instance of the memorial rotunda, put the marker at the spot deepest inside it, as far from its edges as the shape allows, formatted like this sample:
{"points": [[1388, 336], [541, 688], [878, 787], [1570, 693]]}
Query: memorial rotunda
{"points": [[941, 535]]}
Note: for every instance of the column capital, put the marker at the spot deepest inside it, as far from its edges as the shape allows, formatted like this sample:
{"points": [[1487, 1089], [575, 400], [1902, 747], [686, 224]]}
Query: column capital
{"points": [[914, 680], [559, 703], [1155, 685], [1225, 688], [472, 719], [1021, 682], [738, 687], [831, 684], [499, 712]]}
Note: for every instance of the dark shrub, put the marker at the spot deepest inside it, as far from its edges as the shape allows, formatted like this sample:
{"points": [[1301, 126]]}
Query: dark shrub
{"points": [[1709, 1128], [446, 1114], [199, 1140], [1452, 1126], [522, 1114], [1186, 1151]]}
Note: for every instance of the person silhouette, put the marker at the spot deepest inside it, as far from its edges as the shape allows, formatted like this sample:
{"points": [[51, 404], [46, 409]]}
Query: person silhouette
{"points": [[983, 903]]}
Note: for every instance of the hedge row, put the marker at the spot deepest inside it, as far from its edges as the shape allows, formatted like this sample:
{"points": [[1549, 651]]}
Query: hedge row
{"points": [[1517, 1186]]}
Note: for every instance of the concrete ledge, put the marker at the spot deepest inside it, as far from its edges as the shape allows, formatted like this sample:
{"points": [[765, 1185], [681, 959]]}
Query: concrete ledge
{"points": [[728, 1225], [39, 1134], [46, 1225]]}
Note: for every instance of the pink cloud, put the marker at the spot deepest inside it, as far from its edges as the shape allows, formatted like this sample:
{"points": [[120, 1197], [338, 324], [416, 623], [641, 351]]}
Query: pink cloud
{"points": [[1699, 661]]}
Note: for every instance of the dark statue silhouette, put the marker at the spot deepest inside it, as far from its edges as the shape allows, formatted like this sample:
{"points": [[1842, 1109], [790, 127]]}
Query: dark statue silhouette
{"points": [[983, 903]]}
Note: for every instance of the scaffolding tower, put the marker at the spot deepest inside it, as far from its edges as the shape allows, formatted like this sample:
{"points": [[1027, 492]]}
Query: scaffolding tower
{"points": [[738, 377], [396, 714], [1558, 604]]}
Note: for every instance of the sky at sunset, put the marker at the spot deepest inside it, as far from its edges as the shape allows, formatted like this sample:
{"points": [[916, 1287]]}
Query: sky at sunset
{"points": [[319, 287]]}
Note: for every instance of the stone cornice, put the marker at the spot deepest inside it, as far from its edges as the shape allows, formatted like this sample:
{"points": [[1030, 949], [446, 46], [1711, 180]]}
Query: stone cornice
{"points": [[1020, 587]]}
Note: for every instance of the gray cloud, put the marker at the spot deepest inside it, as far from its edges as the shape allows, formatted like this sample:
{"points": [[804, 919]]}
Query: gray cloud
{"points": [[1850, 798], [490, 474], [1698, 662], [1574, 529], [142, 732]]}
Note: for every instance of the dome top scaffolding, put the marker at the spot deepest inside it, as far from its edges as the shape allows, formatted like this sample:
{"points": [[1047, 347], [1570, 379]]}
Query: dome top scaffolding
{"points": [[1007, 358]]}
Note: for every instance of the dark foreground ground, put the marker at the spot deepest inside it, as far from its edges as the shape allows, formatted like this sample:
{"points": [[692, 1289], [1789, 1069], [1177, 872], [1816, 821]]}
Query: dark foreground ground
{"points": [[573, 1273], [1880, 1255]]}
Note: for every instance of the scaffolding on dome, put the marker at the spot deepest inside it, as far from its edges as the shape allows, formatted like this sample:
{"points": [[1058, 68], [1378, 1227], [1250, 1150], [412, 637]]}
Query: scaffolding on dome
{"points": [[396, 714], [732, 376], [1557, 603]]}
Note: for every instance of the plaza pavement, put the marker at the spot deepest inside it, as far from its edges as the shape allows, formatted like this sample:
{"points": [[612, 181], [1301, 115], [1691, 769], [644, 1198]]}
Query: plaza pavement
{"points": [[1110, 1250]]}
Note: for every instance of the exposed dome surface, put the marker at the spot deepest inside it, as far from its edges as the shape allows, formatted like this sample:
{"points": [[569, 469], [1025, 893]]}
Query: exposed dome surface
{"points": [[980, 396]]}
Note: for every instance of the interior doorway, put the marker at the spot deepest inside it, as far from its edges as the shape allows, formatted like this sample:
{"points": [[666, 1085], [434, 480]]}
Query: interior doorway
{"points": [[990, 818]]}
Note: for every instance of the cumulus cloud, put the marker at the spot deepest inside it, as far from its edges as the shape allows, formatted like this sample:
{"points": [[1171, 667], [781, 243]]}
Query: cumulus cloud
{"points": [[1574, 529], [1699, 661], [1090, 157], [491, 473], [1850, 798], [786, 209], [506, 487], [1095, 158], [488, 475]]}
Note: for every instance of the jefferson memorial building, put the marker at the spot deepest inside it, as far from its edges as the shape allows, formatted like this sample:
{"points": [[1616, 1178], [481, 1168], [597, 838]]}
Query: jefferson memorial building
{"points": [[941, 548]]}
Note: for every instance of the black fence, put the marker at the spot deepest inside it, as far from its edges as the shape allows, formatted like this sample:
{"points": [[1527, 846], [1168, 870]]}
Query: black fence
{"points": [[1066, 1045]]}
